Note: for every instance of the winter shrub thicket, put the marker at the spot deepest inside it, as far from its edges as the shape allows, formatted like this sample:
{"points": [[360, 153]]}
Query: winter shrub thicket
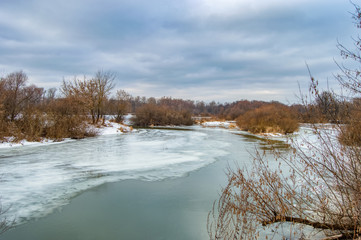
{"points": [[275, 118], [350, 133], [66, 119], [31, 113], [53, 123], [154, 115]]}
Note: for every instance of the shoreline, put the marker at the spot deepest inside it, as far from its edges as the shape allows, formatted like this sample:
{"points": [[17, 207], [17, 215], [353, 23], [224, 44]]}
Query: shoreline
{"points": [[117, 128], [110, 128]]}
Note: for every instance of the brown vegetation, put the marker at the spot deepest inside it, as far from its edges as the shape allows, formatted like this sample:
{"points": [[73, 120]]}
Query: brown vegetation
{"points": [[29, 112], [91, 94], [153, 115], [120, 106], [274, 118], [350, 133]]}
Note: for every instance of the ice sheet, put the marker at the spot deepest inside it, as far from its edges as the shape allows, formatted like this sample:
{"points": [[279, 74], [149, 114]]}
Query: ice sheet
{"points": [[37, 179]]}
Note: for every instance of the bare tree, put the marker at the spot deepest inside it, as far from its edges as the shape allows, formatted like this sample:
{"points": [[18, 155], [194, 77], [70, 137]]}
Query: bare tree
{"points": [[92, 93], [104, 82], [122, 104], [2, 99], [16, 96], [14, 84], [50, 94]]}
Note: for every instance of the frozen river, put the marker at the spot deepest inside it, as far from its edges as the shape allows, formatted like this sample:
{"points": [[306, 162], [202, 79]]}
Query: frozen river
{"points": [[175, 174]]}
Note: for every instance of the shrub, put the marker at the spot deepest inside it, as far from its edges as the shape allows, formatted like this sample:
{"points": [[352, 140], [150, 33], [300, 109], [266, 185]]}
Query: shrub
{"points": [[62, 118], [350, 133], [31, 125], [153, 115], [66, 119], [269, 119]]}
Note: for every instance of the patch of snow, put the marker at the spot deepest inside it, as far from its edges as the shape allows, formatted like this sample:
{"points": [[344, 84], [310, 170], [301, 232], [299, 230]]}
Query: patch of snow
{"points": [[272, 134], [128, 119], [8, 143], [221, 124], [309, 138], [108, 129], [114, 128]]}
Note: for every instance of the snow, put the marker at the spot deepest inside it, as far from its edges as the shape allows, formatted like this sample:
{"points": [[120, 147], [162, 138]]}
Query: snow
{"points": [[220, 124], [109, 128], [114, 128], [272, 134], [8, 143], [128, 119], [307, 139]]}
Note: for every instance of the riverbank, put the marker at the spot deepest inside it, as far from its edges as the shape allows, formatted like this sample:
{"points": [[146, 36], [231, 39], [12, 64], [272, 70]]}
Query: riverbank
{"points": [[233, 125], [108, 128]]}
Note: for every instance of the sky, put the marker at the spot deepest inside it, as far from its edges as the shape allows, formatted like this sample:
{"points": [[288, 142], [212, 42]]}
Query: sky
{"points": [[221, 50]]}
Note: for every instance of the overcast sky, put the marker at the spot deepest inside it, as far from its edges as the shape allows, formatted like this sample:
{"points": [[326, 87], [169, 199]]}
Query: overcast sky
{"points": [[222, 50]]}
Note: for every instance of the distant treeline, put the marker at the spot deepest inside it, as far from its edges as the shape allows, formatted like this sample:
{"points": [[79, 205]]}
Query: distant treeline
{"points": [[30, 112]]}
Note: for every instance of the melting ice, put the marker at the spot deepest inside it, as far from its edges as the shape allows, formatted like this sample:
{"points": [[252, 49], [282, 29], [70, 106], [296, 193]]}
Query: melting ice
{"points": [[35, 180]]}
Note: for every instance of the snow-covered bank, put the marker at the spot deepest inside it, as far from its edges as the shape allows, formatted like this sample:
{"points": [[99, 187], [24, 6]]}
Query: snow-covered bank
{"points": [[8, 143], [108, 128], [305, 137], [220, 124], [113, 128], [233, 125]]}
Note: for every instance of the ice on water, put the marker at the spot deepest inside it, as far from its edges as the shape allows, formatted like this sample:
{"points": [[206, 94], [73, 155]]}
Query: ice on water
{"points": [[35, 180]]}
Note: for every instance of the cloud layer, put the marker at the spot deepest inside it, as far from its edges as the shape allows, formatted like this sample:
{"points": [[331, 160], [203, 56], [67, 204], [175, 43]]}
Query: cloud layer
{"points": [[221, 50]]}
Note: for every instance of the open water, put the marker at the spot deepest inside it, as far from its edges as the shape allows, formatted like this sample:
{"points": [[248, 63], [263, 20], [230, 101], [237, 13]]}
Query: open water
{"points": [[149, 184]]}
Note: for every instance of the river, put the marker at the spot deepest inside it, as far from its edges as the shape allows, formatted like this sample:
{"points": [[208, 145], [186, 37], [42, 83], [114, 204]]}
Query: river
{"points": [[148, 184]]}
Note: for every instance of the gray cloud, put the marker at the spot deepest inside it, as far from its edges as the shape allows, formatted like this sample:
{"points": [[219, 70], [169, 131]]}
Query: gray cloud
{"points": [[222, 50]]}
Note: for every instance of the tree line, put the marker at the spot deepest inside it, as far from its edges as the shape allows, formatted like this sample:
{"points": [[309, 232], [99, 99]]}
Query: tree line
{"points": [[30, 112]]}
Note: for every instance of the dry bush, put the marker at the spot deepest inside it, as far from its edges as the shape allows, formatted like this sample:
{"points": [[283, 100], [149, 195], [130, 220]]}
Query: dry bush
{"points": [[31, 125], [25, 112], [350, 133], [153, 115], [60, 127], [269, 119], [65, 118], [9, 129]]}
